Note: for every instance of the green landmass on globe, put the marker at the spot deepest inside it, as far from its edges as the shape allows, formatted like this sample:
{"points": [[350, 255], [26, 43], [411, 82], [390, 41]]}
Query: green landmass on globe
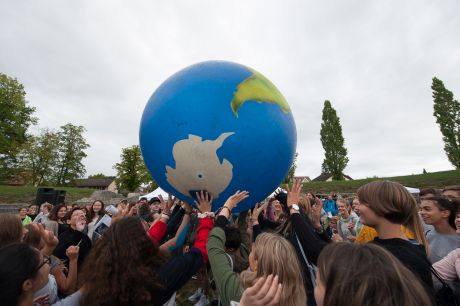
{"points": [[257, 88]]}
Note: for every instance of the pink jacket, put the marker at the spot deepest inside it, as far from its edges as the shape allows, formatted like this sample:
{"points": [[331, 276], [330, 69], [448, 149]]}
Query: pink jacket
{"points": [[449, 267]]}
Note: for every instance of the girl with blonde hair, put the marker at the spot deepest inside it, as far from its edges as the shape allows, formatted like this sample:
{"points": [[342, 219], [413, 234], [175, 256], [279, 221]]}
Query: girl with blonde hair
{"points": [[271, 254], [385, 206]]}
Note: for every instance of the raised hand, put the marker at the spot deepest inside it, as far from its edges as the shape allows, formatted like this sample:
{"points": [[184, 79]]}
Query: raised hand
{"points": [[235, 199], [265, 292], [293, 196], [316, 209], [204, 201], [258, 209], [72, 252], [42, 300]]}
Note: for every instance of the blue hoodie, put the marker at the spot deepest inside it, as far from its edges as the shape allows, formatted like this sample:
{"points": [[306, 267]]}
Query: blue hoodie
{"points": [[330, 206]]}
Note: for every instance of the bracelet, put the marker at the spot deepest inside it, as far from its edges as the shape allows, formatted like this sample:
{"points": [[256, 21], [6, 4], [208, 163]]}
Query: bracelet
{"points": [[166, 216], [229, 210]]}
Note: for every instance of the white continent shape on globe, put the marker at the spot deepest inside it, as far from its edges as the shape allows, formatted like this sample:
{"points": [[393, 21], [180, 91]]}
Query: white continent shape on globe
{"points": [[198, 167]]}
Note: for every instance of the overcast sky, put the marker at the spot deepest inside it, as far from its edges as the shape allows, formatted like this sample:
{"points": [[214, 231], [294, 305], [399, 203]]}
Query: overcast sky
{"points": [[96, 63]]}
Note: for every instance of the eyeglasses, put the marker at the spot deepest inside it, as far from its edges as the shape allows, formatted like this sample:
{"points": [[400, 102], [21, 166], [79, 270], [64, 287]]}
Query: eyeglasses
{"points": [[46, 260]]}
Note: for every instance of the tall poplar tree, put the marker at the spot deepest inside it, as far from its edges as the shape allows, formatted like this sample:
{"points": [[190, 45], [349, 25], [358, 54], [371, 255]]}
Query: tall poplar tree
{"points": [[447, 113], [335, 158]]}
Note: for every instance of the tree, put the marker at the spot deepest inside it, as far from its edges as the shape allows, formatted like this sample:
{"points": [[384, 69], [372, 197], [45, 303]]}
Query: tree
{"points": [[97, 176], [335, 159], [39, 155], [290, 176], [131, 170], [15, 119], [72, 146], [447, 113]]}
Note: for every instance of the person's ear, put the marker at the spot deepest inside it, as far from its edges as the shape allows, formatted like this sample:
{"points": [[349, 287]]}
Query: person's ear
{"points": [[27, 285], [445, 213]]}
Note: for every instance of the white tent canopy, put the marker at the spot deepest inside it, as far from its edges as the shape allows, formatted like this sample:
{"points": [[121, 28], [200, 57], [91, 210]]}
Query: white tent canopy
{"points": [[412, 190], [155, 193]]}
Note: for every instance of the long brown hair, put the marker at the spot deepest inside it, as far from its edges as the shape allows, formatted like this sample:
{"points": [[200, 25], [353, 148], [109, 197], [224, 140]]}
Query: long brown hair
{"points": [[10, 229], [54, 212], [91, 213], [367, 275], [122, 266], [392, 201], [275, 255]]}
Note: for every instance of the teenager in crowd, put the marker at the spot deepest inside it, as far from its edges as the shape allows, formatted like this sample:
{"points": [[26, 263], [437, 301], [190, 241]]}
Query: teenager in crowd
{"points": [[126, 266], [96, 212], [32, 211], [347, 221], [351, 275], [74, 236], [11, 229], [56, 221], [386, 206], [452, 192], [270, 254], [440, 212], [23, 271], [25, 219], [45, 210]]}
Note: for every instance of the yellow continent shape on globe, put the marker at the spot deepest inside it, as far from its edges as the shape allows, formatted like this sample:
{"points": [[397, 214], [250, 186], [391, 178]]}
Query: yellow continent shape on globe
{"points": [[258, 88]]}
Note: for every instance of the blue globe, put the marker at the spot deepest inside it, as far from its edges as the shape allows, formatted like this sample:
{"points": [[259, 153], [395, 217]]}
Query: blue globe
{"points": [[221, 127]]}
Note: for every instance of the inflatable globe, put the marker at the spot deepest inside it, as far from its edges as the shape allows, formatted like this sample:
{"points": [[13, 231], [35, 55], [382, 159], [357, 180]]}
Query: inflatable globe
{"points": [[221, 127]]}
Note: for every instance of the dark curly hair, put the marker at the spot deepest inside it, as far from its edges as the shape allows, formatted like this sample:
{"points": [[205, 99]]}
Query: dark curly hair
{"points": [[122, 268], [54, 212]]}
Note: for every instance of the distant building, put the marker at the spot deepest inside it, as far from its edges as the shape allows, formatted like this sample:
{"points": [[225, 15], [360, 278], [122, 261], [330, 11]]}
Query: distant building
{"points": [[327, 177], [107, 183], [304, 179]]}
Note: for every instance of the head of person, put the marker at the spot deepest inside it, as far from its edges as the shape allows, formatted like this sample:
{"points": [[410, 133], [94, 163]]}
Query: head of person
{"points": [[452, 192], [232, 239], [97, 209], [24, 271], [306, 204], [344, 207], [310, 195], [126, 252], [428, 193], [353, 274], [273, 254], [457, 220], [390, 201], [33, 237], [154, 204], [46, 208], [58, 212], [11, 229], [22, 212], [32, 210], [438, 211], [77, 219], [355, 205]]}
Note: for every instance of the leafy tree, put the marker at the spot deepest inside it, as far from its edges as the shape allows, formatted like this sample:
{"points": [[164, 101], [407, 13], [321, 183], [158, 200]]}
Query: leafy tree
{"points": [[97, 176], [72, 146], [447, 113], [131, 170], [335, 159], [15, 119], [290, 176], [39, 156]]}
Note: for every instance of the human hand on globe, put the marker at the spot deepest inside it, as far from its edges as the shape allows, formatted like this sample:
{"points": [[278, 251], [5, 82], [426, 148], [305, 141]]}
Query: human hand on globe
{"points": [[293, 196], [235, 199], [256, 213], [204, 201]]}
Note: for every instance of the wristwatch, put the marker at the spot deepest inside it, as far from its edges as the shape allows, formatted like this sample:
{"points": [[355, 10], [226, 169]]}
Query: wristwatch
{"points": [[294, 206]]}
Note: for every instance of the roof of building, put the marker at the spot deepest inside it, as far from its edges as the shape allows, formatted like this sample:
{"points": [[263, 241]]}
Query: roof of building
{"points": [[325, 176], [103, 182]]}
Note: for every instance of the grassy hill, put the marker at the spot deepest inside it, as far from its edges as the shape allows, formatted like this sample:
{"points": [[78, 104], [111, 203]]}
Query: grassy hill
{"points": [[27, 194], [435, 179]]}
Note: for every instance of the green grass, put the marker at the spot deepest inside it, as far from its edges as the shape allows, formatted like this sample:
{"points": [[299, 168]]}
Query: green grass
{"points": [[27, 194], [435, 179]]}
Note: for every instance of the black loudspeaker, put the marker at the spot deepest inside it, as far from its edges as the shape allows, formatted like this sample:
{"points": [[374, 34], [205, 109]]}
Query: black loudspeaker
{"points": [[45, 195], [59, 197]]}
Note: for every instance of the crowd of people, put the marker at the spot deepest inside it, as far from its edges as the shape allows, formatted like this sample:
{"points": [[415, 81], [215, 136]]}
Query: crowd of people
{"points": [[380, 246]]}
